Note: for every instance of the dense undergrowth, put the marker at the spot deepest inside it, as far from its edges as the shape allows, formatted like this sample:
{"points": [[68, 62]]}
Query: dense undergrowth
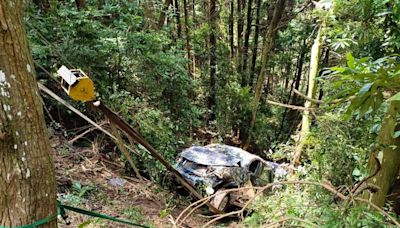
{"points": [[141, 72]]}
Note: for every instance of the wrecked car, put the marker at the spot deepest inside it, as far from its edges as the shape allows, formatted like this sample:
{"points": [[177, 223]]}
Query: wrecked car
{"points": [[214, 168]]}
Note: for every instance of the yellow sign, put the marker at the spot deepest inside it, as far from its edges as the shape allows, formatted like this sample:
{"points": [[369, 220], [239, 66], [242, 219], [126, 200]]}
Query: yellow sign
{"points": [[77, 84]]}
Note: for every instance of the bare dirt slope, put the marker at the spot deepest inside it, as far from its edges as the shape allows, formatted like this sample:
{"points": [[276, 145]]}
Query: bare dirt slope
{"points": [[87, 179]]}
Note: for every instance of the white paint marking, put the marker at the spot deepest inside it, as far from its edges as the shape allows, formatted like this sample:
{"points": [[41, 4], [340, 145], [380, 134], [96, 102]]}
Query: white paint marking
{"points": [[19, 114], [28, 173], [28, 68], [380, 156], [2, 77], [15, 146]]}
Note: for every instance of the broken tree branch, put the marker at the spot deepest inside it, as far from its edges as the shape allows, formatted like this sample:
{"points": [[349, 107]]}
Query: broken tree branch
{"points": [[322, 102], [76, 111], [124, 151], [84, 133], [307, 98], [288, 106], [240, 212]]}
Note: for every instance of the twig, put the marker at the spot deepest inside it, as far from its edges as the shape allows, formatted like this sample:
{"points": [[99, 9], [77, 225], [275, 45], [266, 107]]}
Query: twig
{"points": [[48, 112], [328, 187], [124, 151], [379, 209], [261, 190], [285, 219], [83, 134], [378, 168], [112, 163]]}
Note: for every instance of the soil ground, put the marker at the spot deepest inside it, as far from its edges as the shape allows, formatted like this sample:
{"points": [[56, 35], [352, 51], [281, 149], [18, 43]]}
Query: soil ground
{"points": [[89, 180]]}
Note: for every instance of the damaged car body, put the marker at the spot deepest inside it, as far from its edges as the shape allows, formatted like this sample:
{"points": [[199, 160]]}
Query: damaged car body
{"points": [[216, 167]]}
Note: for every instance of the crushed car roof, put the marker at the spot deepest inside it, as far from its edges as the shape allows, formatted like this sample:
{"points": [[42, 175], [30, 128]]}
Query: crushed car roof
{"points": [[218, 155]]}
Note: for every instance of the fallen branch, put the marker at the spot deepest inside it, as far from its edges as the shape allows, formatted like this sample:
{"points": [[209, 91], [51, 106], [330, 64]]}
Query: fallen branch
{"points": [[76, 111], [319, 101], [240, 212], [84, 133], [307, 98], [289, 106], [124, 151]]}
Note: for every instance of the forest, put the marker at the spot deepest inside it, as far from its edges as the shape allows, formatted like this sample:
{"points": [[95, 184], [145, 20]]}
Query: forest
{"points": [[188, 113]]}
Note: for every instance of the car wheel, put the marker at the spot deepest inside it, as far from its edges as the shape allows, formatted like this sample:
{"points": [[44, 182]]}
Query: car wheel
{"points": [[220, 200]]}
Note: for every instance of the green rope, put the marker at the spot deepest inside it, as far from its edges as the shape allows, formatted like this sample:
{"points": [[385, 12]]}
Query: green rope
{"points": [[35, 224], [61, 211], [98, 215]]}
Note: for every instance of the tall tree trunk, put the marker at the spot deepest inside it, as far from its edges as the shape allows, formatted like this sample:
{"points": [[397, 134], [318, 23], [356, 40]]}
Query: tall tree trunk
{"points": [[266, 52], [163, 14], [278, 132], [213, 58], [255, 44], [231, 29], [27, 176], [293, 114], [388, 154], [148, 11], [194, 18], [80, 4], [240, 25], [178, 19], [188, 51], [325, 63], [246, 43], [306, 120]]}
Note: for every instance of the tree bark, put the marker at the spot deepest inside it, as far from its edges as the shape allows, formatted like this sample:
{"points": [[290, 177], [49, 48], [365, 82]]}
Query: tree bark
{"points": [[240, 26], [255, 44], [306, 120], [27, 176], [388, 154], [231, 29], [148, 11], [194, 18], [267, 50], [80, 4], [213, 58], [187, 33], [246, 43], [178, 19], [163, 14], [293, 114]]}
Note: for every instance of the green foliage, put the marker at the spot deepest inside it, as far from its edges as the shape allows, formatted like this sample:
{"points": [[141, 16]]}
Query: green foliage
{"points": [[367, 27], [370, 84], [312, 205], [135, 214], [78, 193], [338, 150], [139, 73]]}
